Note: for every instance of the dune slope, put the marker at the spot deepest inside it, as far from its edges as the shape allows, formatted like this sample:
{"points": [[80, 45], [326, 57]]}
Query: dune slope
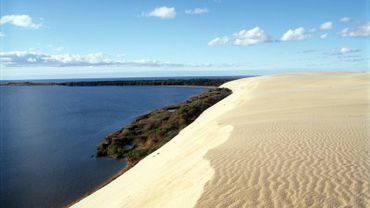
{"points": [[294, 140]]}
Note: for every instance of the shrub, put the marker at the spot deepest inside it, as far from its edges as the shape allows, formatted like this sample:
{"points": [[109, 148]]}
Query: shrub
{"points": [[149, 132]]}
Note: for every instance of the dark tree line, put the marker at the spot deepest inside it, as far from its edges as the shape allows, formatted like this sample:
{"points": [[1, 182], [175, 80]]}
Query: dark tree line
{"points": [[155, 82]]}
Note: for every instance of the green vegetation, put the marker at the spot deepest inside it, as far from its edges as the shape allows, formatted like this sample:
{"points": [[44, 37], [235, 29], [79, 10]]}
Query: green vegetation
{"points": [[149, 132]]}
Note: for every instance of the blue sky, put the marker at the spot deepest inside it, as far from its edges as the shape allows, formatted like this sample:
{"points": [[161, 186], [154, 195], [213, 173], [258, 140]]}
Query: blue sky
{"points": [[94, 38]]}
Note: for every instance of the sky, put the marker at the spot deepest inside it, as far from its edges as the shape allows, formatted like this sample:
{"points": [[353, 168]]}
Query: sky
{"points": [[53, 39]]}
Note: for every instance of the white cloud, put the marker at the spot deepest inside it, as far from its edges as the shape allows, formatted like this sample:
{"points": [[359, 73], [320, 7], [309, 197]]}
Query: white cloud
{"points": [[348, 50], [361, 31], [2, 35], [196, 11], [324, 36], [219, 41], [295, 34], [243, 38], [345, 52], [19, 21], [32, 59], [345, 19], [163, 12], [326, 26]]}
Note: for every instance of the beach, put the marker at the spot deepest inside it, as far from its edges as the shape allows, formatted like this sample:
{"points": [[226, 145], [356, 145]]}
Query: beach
{"points": [[288, 140]]}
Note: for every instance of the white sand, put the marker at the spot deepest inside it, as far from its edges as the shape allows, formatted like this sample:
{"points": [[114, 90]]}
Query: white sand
{"points": [[299, 140]]}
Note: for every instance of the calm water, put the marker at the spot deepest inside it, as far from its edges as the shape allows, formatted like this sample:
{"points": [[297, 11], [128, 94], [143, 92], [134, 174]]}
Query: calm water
{"points": [[48, 135]]}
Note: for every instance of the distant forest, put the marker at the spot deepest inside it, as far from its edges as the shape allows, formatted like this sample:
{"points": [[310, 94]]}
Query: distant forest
{"points": [[157, 82]]}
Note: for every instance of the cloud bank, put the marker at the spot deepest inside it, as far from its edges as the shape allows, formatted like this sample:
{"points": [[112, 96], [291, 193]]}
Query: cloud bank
{"points": [[26, 58]]}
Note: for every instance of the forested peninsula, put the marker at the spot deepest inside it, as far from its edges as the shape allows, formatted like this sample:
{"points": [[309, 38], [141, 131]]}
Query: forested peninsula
{"points": [[148, 132]]}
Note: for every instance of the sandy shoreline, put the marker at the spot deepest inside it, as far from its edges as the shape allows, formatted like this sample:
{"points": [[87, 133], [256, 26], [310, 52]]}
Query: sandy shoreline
{"points": [[294, 140]]}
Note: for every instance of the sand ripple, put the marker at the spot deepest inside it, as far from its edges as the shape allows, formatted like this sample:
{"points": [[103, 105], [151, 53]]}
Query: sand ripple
{"points": [[307, 146]]}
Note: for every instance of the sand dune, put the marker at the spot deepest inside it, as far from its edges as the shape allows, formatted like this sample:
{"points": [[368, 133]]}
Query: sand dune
{"points": [[299, 140]]}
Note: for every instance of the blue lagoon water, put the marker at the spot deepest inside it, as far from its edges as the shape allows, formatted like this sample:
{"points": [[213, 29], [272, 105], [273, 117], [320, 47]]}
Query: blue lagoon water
{"points": [[48, 134]]}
